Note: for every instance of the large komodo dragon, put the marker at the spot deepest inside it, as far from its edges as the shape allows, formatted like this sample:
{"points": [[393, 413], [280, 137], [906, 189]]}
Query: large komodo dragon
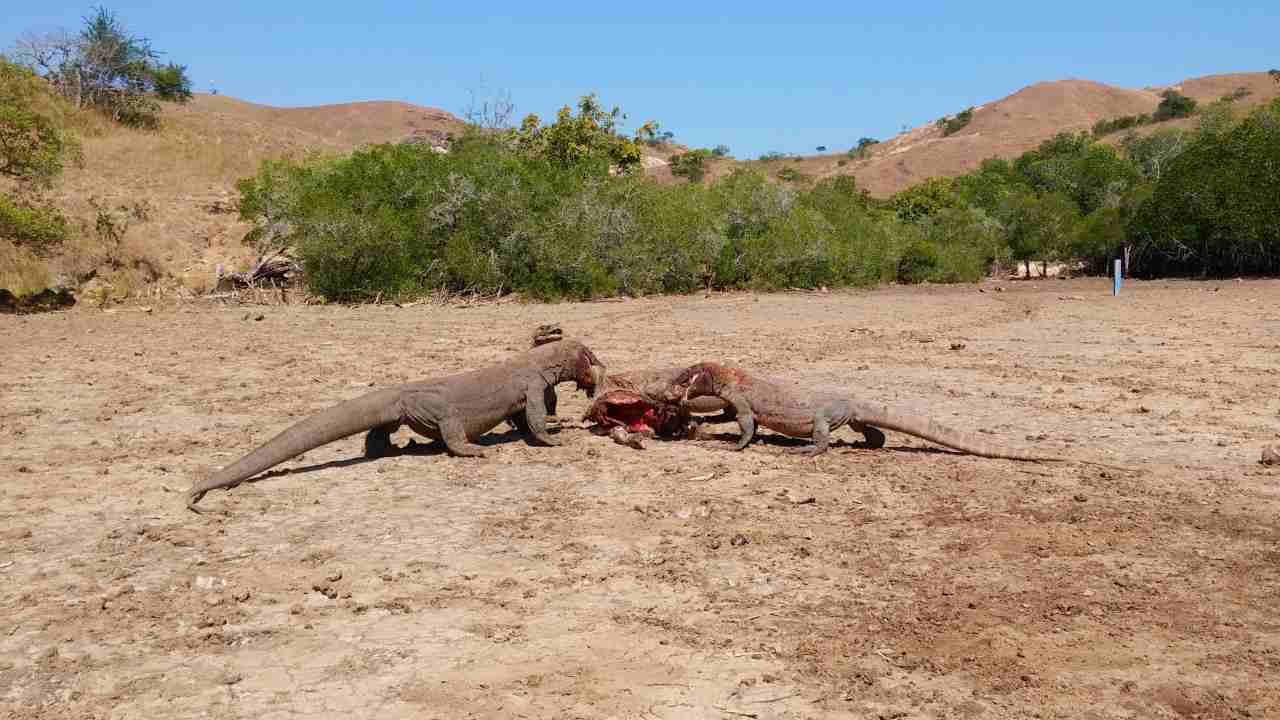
{"points": [[796, 412], [455, 410]]}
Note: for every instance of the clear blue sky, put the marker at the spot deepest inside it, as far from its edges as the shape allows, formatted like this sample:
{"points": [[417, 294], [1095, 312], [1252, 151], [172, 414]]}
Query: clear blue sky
{"points": [[784, 76]]}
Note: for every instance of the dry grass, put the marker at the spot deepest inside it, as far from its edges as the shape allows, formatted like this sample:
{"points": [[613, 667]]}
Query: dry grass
{"points": [[185, 173], [21, 272]]}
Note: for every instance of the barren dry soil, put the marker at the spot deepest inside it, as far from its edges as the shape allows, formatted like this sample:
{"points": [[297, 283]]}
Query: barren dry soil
{"points": [[680, 581]]}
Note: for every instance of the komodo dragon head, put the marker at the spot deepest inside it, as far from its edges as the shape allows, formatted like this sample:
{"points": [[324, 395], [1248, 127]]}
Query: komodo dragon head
{"points": [[582, 367], [705, 378]]}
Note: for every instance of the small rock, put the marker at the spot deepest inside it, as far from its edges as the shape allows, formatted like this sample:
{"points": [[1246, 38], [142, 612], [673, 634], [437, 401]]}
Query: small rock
{"points": [[714, 543], [957, 346], [1271, 455], [739, 540], [260, 317], [1079, 497], [206, 582], [334, 576]]}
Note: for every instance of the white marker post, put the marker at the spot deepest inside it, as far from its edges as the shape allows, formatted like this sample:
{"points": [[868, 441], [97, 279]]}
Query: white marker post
{"points": [[1115, 285]]}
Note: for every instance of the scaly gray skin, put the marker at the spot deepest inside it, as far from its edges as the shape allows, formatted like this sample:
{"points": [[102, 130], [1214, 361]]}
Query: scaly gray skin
{"points": [[454, 410], [792, 411]]}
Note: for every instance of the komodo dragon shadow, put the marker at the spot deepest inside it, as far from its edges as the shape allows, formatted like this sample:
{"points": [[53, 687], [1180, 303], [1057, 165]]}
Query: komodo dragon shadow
{"points": [[455, 410]]}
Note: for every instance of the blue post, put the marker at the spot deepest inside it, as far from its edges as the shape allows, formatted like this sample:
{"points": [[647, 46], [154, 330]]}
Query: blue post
{"points": [[1115, 286]]}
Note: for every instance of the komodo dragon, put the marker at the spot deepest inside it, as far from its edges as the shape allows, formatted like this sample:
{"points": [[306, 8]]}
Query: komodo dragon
{"points": [[455, 410], [799, 413]]}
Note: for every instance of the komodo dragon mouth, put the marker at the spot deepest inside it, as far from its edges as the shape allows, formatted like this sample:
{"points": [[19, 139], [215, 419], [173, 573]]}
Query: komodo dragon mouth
{"points": [[636, 413]]}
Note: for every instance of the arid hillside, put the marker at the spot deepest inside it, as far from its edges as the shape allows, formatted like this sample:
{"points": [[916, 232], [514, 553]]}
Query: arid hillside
{"points": [[176, 187], [1009, 127]]}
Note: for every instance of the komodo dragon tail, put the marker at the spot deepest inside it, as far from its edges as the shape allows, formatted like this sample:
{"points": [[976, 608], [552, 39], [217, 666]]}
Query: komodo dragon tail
{"points": [[889, 418], [366, 412]]}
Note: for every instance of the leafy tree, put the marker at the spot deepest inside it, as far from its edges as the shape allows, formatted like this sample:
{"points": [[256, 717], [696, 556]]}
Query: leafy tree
{"points": [[822, 148], [1275, 74], [107, 68], [1216, 209], [589, 139], [171, 83], [1173, 105], [1038, 227], [720, 151], [964, 242], [1098, 238], [920, 201], [34, 149], [1088, 172], [989, 186]]}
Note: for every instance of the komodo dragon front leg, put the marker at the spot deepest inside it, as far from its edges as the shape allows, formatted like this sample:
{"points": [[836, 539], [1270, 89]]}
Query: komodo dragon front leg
{"points": [[535, 415]]}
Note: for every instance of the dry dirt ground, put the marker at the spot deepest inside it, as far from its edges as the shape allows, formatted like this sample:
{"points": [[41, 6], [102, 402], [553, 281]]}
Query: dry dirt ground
{"points": [[681, 581]]}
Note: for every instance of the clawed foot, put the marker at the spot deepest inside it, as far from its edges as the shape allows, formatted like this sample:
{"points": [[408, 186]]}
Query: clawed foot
{"points": [[806, 451]]}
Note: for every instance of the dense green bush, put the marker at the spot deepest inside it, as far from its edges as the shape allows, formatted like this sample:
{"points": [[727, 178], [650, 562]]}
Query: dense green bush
{"points": [[537, 212], [1216, 208], [34, 150], [1173, 104]]}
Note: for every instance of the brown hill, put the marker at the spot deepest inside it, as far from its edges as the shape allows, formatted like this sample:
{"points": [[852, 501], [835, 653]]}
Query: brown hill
{"points": [[1009, 127], [176, 187], [344, 125]]}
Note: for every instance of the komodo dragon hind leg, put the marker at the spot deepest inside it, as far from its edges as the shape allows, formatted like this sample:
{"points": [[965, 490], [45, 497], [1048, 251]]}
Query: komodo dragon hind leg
{"points": [[377, 442], [821, 436], [454, 435]]}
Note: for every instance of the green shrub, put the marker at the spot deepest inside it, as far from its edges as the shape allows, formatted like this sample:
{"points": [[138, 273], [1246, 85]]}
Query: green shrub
{"points": [[918, 262], [691, 165], [40, 229], [1173, 104], [790, 174], [953, 125]]}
